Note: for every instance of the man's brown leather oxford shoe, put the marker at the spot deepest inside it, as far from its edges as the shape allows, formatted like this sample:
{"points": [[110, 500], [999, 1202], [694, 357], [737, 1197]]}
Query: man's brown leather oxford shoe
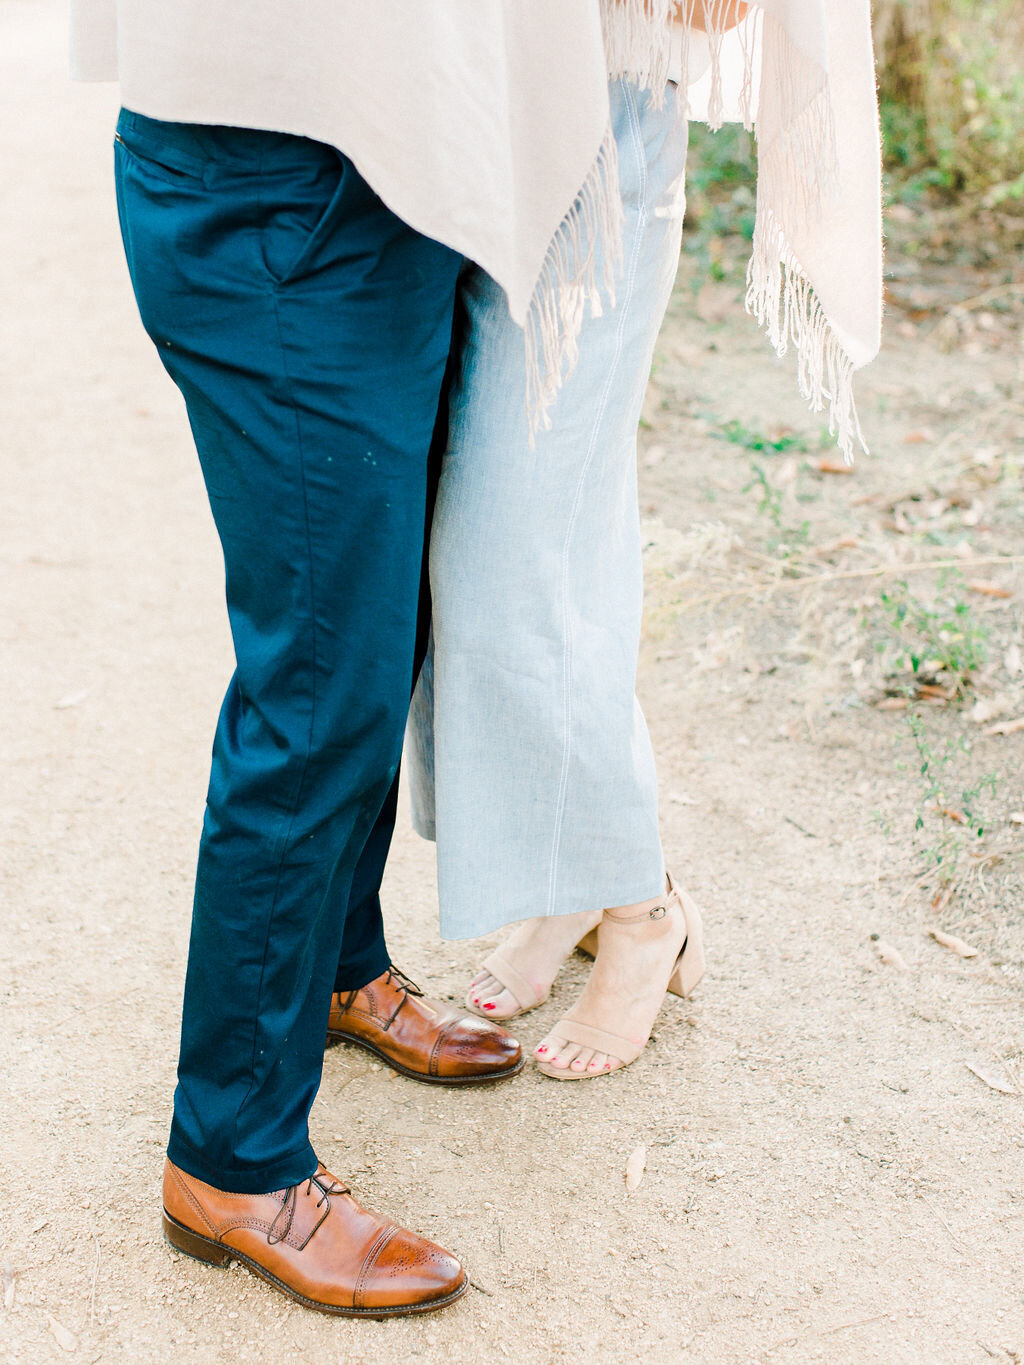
{"points": [[422, 1038], [313, 1242]]}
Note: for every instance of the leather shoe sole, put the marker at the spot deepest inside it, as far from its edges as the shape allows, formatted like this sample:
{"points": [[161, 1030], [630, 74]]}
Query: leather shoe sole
{"points": [[204, 1249], [335, 1036]]}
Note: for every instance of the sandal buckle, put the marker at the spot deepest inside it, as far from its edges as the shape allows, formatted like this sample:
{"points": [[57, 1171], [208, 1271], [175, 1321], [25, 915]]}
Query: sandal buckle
{"points": [[658, 912]]}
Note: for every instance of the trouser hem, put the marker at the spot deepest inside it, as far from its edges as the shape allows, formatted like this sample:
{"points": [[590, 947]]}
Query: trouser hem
{"points": [[278, 1175], [355, 973]]}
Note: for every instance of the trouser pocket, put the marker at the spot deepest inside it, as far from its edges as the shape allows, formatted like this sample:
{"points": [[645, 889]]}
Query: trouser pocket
{"points": [[298, 209], [150, 143]]}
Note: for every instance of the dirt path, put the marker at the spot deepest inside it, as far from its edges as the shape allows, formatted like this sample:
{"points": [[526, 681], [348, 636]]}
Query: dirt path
{"points": [[826, 1177]]}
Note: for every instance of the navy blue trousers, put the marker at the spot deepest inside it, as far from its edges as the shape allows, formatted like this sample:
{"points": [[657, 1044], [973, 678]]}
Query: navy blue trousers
{"points": [[308, 330]]}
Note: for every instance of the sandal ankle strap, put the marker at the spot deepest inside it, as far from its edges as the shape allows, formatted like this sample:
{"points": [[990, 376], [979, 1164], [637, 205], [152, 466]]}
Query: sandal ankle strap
{"points": [[655, 912]]}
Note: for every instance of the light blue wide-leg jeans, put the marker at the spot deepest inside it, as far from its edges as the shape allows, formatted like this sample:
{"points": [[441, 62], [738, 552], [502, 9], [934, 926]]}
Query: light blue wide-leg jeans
{"points": [[528, 754]]}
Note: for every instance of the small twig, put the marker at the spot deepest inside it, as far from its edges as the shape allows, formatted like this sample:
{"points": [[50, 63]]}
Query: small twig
{"points": [[96, 1005], [829, 1331], [952, 1235], [809, 832], [878, 571], [95, 1273], [916, 566], [861, 1322], [997, 291]]}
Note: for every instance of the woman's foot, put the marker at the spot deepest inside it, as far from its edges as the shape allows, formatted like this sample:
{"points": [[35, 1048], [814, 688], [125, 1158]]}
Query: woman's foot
{"points": [[640, 951], [518, 976]]}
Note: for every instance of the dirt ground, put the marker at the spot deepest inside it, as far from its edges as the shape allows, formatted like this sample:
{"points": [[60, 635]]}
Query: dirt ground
{"points": [[833, 1126]]}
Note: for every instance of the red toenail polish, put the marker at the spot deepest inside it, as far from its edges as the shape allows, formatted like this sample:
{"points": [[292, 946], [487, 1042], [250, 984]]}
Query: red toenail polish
{"points": [[542, 1049], [592, 1065], [607, 1066], [489, 1005]]}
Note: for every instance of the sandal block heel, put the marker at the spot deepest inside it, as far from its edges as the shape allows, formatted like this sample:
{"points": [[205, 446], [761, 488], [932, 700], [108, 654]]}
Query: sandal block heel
{"points": [[588, 944], [690, 965]]}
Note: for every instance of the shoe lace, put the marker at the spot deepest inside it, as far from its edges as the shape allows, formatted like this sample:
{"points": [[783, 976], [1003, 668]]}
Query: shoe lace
{"points": [[405, 988], [282, 1224], [402, 983]]}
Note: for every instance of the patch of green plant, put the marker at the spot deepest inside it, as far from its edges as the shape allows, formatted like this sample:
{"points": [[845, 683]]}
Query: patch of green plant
{"points": [[770, 504], [739, 434], [952, 96], [769, 498], [942, 638], [948, 821], [725, 157], [721, 174]]}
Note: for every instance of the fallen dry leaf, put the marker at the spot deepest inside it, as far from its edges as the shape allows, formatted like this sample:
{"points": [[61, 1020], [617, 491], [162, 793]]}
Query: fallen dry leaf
{"points": [[919, 438], [67, 1341], [889, 955], [958, 946], [1006, 727], [942, 899], [843, 543], [892, 704], [950, 814], [935, 692], [832, 467], [635, 1167], [988, 589], [995, 1080]]}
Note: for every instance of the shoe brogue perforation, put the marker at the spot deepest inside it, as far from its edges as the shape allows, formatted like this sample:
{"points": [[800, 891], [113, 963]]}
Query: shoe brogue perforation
{"points": [[369, 1261], [438, 1048], [325, 1252]]}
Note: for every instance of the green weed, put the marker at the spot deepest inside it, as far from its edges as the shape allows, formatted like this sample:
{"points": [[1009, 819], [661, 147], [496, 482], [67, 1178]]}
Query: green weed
{"points": [[739, 434], [948, 821], [770, 504], [940, 640]]}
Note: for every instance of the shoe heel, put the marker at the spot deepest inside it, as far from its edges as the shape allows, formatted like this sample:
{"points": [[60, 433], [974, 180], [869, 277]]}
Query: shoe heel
{"points": [[689, 966], [192, 1244], [588, 944]]}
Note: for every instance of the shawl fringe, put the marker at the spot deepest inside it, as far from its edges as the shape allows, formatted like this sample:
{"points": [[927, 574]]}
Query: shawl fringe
{"points": [[792, 117], [570, 279]]}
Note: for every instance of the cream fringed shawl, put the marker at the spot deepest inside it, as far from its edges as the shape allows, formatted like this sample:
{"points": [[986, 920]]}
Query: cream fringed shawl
{"points": [[803, 78], [484, 123]]}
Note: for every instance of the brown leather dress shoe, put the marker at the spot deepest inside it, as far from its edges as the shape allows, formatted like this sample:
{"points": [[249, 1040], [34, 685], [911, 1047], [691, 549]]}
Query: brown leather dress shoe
{"points": [[313, 1242], [422, 1038]]}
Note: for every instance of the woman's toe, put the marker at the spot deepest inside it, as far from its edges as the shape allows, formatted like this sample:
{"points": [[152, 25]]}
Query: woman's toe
{"points": [[502, 1006], [483, 990], [582, 1059], [565, 1056]]}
